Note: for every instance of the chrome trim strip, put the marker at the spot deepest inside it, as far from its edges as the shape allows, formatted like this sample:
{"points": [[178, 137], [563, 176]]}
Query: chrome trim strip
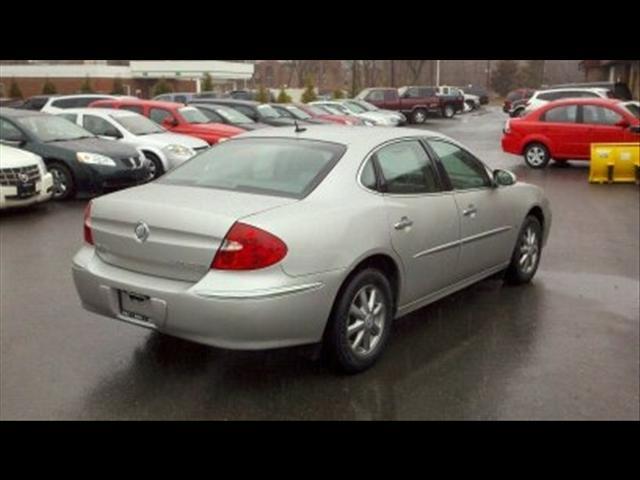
{"points": [[258, 294], [455, 243], [439, 248], [488, 233]]}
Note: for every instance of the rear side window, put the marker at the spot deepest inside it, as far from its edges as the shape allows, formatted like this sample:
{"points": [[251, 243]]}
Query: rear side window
{"points": [[596, 115], [159, 114], [548, 96], [132, 108], [35, 103], [268, 166], [464, 170], [406, 168], [565, 114]]}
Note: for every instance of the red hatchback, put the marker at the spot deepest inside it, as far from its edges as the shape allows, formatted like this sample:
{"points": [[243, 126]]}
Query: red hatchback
{"points": [[175, 117], [565, 129]]}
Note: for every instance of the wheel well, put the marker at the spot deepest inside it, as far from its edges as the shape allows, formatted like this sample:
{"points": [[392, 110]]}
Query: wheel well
{"points": [[151, 153], [386, 265], [537, 212]]}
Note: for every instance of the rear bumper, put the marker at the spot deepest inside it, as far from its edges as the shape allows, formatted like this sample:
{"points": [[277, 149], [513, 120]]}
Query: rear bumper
{"points": [[511, 144], [8, 195], [290, 311]]}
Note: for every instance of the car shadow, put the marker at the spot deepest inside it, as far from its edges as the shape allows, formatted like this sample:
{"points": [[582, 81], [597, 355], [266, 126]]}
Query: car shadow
{"points": [[175, 379]]}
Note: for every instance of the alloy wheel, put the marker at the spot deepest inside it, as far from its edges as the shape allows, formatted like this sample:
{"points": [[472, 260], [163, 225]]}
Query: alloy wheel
{"points": [[536, 155], [60, 182], [367, 317], [529, 251]]}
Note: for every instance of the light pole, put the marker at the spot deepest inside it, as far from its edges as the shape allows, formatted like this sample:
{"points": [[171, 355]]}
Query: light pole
{"points": [[437, 73]]}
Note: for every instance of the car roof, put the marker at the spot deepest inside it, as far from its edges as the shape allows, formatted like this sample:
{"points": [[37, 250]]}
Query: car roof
{"points": [[114, 112], [586, 101], [16, 113], [232, 101], [366, 137], [580, 89], [150, 103]]}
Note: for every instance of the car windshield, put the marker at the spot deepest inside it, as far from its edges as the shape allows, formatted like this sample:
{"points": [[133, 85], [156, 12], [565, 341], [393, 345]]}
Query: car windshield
{"points": [[52, 128], [296, 112], [232, 115], [138, 124], [269, 166], [634, 108], [366, 105], [355, 108], [268, 111], [193, 115]]}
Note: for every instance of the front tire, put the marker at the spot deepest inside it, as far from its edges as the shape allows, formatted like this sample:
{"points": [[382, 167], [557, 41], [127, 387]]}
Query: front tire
{"points": [[419, 116], [155, 165], [536, 155], [526, 255], [360, 323], [64, 186]]}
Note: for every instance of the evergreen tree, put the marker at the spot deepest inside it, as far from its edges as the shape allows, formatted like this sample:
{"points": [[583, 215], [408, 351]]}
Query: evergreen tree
{"points": [[14, 90], [262, 95], [207, 83], [309, 94], [86, 86], [283, 97], [161, 86], [505, 77], [49, 88], [118, 87]]}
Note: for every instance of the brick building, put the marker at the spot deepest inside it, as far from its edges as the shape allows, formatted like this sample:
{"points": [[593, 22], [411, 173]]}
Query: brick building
{"points": [[138, 77]]}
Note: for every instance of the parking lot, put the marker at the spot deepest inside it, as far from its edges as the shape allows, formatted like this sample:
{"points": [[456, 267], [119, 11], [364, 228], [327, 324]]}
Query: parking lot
{"points": [[564, 347]]}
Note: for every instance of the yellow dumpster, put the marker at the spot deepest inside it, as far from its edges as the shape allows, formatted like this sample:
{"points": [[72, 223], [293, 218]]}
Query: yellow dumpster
{"points": [[615, 162]]}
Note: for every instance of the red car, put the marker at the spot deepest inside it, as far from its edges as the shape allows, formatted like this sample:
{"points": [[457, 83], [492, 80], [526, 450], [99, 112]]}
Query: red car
{"points": [[317, 112], [564, 130], [175, 117]]}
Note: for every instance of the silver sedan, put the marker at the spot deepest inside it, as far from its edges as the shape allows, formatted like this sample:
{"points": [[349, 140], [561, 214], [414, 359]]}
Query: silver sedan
{"points": [[319, 234]]}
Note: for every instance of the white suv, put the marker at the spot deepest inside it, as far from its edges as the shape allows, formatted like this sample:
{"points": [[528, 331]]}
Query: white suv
{"points": [[542, 97]]}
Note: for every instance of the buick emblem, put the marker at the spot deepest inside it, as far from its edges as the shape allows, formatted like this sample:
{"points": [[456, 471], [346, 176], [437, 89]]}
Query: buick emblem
{"points": [[23, 177], [141, 231]]}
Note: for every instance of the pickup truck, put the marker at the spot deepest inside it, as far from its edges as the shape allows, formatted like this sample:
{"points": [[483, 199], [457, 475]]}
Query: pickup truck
{"points": [[413, 101]]}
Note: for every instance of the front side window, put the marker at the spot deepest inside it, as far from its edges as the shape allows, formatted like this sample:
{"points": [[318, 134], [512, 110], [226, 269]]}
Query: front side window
{"points": [[269, 166], [464, 170], [406, 168], [595, 115], [9, 132], [99, 126], [159, 115], [137, 124], [565, 114], [212, 115]]}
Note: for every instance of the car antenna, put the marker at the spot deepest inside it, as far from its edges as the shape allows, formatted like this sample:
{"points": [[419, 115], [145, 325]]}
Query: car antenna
{"points": [[298, 127]]}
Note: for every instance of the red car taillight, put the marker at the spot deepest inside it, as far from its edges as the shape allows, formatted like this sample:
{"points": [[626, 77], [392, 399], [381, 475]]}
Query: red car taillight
{"points": [[88, 234], [248, 248]]}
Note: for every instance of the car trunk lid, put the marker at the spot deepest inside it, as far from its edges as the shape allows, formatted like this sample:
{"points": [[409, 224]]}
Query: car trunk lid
{"points": [[167, 230]]}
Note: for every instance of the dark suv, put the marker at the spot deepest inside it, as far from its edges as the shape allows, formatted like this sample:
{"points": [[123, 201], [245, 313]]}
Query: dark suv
{"points": [[80, 162]]}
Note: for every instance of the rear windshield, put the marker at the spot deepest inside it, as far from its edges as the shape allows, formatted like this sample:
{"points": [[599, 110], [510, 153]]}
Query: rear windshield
{"points": [[268, 166]]}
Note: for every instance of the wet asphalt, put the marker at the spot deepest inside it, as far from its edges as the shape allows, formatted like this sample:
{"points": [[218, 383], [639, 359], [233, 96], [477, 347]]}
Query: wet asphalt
{"points": [[564, 347]]}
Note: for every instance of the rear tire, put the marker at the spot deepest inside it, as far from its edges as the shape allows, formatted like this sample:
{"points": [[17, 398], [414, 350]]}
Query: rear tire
{"points": [[360, 323], [64, 185], [419, 116], [448, 111], [526, 254], [536, 155]]}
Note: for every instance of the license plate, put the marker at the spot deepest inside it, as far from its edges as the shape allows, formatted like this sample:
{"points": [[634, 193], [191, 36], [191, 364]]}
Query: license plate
{"points": [[136, 306], [27, 189]]}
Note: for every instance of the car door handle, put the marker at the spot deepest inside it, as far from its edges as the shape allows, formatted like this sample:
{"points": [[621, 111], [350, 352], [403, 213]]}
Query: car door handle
{"points": [[470, 211], [404, 222]]}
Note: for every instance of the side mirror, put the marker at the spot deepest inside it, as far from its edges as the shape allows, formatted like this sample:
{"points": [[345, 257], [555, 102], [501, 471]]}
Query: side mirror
{"points": [[17, 141], [503, 178], [169, 122]]}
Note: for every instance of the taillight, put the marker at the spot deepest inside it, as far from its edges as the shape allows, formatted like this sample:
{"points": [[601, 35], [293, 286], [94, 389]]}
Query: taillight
{"points": [[88, 234], [248, 248]]}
